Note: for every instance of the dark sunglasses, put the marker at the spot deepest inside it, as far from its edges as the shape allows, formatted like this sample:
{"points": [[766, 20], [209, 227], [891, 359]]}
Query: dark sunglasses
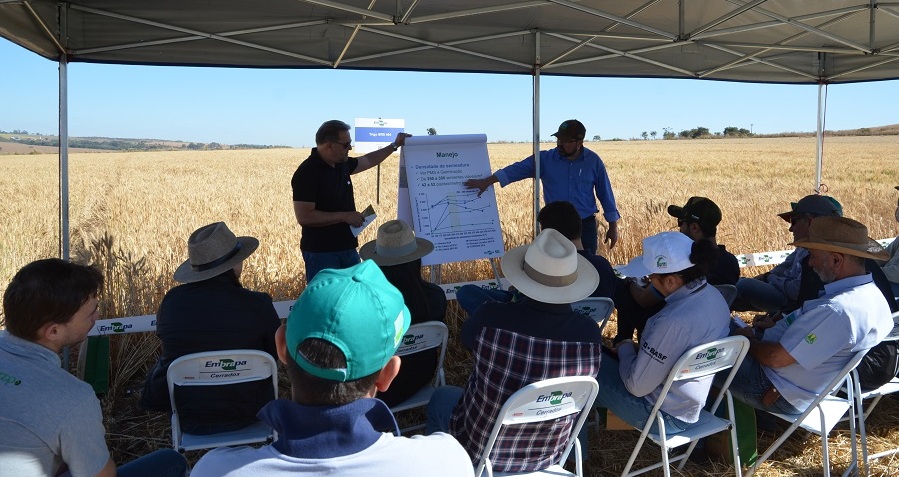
{"points": [[346, 145]]}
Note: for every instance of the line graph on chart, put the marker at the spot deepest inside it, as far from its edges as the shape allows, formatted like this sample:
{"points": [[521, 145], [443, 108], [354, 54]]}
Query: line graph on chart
{"points": [[454, 212]]}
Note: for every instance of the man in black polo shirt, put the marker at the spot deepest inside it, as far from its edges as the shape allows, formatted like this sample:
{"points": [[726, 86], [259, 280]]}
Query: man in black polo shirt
{"points": [[323, 197]]}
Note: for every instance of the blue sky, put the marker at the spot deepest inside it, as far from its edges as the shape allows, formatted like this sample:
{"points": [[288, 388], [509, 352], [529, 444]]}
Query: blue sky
{"points": [[232, 105]]}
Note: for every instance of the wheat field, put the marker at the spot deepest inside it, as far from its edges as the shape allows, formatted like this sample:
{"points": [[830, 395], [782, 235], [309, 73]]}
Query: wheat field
{"points": [[131, 213]]}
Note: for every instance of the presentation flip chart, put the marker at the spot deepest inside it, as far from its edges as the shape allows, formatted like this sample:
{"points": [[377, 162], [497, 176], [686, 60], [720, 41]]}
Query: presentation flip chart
{"points": [[372, 134], [461, 225]]}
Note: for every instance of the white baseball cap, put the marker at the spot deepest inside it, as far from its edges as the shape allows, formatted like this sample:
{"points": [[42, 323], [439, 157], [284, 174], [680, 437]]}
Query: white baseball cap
{"points": [[667, 252]]}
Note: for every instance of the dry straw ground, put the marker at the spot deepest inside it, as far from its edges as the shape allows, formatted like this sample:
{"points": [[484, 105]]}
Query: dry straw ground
{"points": [[131, 214]]}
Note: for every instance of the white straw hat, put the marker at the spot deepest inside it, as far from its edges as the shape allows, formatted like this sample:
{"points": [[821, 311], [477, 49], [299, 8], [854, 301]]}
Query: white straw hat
{"points": [[550, 270], [396, 243]]}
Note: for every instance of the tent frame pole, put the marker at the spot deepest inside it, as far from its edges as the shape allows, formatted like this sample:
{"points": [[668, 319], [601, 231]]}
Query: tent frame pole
{"points": [[536, 132], [819, 157]]}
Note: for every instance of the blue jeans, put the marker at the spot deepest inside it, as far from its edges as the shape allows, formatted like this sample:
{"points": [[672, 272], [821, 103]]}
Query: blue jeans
{"points": [[470, 297], [613, 394], [589, 236], [163, 463], [761, 295], [440, 408], [318, 261], [750, 384]]}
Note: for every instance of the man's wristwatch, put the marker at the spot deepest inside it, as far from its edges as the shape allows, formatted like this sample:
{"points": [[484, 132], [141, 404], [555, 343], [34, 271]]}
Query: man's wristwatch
{"points": [[394, 146]]}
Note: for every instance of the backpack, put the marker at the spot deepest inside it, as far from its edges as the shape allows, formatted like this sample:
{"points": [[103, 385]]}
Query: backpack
{"points": [[879, 366]]}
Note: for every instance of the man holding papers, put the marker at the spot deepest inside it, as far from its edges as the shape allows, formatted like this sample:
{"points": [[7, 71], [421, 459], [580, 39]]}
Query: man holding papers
{"points": [[323, 199]]}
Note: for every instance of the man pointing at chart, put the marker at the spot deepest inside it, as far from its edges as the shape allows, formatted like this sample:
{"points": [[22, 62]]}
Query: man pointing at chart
{"points": [[323, 199], [569, 172]]}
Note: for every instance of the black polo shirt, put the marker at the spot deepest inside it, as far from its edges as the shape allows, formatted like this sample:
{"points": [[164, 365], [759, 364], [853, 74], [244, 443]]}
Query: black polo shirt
{"points": [[331, 189]]}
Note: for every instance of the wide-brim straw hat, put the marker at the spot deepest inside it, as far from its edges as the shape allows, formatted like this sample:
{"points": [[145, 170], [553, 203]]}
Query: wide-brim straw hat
{"points": [[841, 235], [213, 249], [395, 244], [550, 270]]}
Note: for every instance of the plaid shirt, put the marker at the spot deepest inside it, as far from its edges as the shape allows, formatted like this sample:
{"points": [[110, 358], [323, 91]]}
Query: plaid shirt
{"points": [[505, 362]]}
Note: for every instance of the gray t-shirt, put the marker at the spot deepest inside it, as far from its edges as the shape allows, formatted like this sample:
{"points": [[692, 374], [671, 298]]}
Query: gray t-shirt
{"points": [[47, 416]]}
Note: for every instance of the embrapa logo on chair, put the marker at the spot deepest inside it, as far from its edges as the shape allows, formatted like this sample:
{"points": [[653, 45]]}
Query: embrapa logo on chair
{"points": [[225, 364], [555, 398], [709, 354], [115, 327]]}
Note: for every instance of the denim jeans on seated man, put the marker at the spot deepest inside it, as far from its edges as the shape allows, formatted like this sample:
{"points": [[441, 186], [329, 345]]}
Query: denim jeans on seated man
{"points": [[749, 386], [758, 295], [634, 410], [440, 408], [162, 463], [470, 297], [318, 261]]}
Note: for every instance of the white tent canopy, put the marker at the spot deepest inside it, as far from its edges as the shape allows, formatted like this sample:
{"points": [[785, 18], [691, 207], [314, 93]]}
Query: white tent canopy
{"points": [[773, 41]]}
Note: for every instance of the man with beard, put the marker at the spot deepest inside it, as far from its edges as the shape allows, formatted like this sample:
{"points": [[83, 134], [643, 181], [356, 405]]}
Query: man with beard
{"points": [[797, 356], [569, 172]]}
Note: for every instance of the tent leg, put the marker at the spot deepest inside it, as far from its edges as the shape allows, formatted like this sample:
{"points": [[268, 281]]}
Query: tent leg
{"points": [[536, 129], [819, 160]]}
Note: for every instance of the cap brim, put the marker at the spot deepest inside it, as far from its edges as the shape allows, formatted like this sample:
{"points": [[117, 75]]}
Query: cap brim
{"points": [[676, 211], [369, 251], [186, 274], [635, 268], [584, 286]]}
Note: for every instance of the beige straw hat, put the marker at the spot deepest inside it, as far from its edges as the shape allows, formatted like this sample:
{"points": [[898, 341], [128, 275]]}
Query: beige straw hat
{"points": [[841, 235], [213, 249], [396, 243]]}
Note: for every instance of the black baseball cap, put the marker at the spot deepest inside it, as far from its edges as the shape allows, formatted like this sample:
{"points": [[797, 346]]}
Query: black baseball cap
{"points": [[697, 209], [571, 129]]}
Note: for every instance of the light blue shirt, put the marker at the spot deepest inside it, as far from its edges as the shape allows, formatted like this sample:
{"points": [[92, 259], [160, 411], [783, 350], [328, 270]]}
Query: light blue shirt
{"points": [[824, 334], [574, 181], [47, 416], [787, 276], [694, 314]]}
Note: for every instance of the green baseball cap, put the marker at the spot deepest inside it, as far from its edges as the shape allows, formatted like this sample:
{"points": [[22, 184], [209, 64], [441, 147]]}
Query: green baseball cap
{"points": [[355, 309]]}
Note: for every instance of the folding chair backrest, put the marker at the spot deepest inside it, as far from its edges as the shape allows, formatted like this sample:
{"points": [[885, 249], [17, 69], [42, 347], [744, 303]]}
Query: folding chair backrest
{"points": [[729, 292], [597, 308], [219, 368], [216, 368], [543, 401], [425, 336], [707, 359], [894, 334]]}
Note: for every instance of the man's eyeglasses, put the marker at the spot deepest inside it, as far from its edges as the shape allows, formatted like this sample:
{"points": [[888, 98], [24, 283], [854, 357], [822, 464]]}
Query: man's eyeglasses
{"points": [[346, 145], [797, 218]]}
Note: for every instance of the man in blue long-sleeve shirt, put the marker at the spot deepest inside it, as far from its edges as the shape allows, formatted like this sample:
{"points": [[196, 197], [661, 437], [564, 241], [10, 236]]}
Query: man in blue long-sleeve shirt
{"points": [[569, 172]]}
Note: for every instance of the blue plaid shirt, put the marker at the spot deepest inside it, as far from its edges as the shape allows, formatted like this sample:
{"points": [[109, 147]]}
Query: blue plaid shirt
{"points": [[504, 362]]}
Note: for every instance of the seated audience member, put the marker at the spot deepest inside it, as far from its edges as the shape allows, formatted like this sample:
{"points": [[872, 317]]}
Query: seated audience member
{"points": [[518, 343], [211, 311], [563, 217], [697, 219], [338, 346], [789, 365], [772, 291], [51, 421], [694, 313], [398, 253], [890, 266]]}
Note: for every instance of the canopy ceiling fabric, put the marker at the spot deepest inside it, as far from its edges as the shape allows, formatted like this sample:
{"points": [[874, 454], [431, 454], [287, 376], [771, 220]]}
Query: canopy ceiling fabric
{"points": [[795, 41]]}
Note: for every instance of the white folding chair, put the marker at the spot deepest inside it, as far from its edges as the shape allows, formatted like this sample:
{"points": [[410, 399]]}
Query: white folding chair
{"points": [[218, 368], [729, 292], [875, 396], [422, 337], [697, 362], [545, 401], [598, 308], [830, 407]]}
